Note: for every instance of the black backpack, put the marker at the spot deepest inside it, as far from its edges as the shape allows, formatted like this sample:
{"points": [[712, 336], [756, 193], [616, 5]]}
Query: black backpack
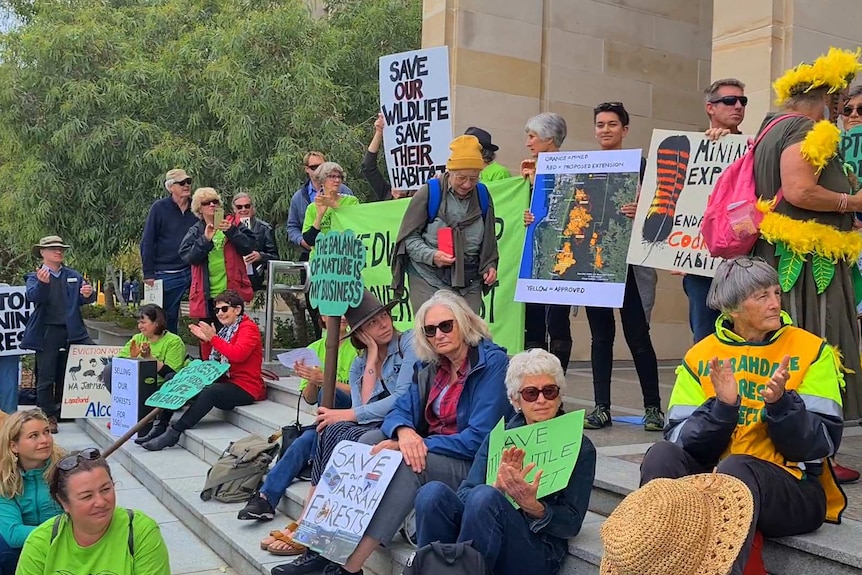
{"points": [[446, 559]]}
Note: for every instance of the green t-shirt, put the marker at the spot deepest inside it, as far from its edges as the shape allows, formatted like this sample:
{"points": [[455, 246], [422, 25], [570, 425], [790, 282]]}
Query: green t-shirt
{"points": [[110, 554], [326, 221], [346, 354], [494, 171], [169, 349], [217, 269]]}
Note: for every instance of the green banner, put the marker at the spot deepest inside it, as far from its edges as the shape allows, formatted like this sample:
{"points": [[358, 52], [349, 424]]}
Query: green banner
{"points": [[377, 223], [187, 383], [552, 445], [851, 148]]}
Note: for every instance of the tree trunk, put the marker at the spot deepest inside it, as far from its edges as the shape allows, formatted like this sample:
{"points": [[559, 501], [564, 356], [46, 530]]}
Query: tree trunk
{"points": [[300, 321]]}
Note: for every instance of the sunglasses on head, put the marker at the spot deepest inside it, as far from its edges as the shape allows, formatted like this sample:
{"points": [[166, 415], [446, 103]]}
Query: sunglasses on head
{"points": [[222, 308], [444, 326], [243, 206], [70, 462], [849, 110], [731, 100], [531, 394], [211, 203], [744, 262]]}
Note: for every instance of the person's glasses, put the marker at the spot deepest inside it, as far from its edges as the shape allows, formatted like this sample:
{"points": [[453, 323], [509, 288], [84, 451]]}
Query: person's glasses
{"points": [[222, 308], [731, 100], [210, 203], [609, 107], [531, 394], [242, 207], [186, 182], [743, 262], [335, 176], [848, 110], [444, 326], [466, 179], [312, 167], [70, 462]]}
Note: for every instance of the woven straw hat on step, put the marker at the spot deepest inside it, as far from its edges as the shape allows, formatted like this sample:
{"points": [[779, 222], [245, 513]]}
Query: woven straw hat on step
{"points": [[695, 525]]}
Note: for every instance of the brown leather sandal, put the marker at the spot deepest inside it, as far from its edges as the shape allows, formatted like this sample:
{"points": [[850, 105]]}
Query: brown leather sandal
{"points": [[292, 548], [289, 527]]}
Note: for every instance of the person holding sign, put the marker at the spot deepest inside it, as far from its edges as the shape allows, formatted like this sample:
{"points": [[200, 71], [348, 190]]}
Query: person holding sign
{"points": [[532, 538], [238, 344], [457, 395], [93, 535], [28, 455], [318, 219], [214, 248], [447, 238], [761, 400]]}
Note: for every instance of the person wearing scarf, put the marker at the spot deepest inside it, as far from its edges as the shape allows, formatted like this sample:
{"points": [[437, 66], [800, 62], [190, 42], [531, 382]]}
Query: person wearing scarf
{"points": [[237, 343], [471, 269]]}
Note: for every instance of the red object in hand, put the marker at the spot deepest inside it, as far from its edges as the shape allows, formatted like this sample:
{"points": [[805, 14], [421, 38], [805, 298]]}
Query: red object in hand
{"points": [[755, 564], [446, 241]]}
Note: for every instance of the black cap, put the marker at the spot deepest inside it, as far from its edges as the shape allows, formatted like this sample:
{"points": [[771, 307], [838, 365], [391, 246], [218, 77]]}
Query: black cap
{"points": [[483, 137]]}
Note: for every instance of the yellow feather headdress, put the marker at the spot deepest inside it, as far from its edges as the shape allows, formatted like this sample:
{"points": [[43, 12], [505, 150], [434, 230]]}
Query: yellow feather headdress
{"points": [[836, 69]]}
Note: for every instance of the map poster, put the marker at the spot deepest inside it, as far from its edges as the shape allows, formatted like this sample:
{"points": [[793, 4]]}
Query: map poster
{"points": [[575, 249]]}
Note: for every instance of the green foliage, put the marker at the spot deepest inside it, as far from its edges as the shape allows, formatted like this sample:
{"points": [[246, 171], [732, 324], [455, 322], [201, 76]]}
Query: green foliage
{"points": [[99, 98]]}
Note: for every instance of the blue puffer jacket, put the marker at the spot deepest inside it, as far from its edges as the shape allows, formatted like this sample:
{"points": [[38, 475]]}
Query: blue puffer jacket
{"points": [[481, 405], [37, 292], [22, 514]]}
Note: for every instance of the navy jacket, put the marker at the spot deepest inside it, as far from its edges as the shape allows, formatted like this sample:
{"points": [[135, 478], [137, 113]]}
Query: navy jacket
{"points": [[481, 405], [37, 292], [164, 230]]}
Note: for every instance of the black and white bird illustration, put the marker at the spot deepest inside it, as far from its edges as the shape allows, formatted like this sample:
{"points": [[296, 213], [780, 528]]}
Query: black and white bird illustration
{"points": [[89, 373], [73, 371]]}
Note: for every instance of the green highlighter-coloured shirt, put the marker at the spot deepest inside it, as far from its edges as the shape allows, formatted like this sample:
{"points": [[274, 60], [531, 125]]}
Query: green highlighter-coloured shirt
{"points": [[169, 349], [346, 354], [109, 555], [326, 221], [216, 265], [494, 171]]}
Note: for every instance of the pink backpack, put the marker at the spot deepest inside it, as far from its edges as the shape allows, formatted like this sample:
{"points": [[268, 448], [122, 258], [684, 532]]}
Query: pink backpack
{"points": [[731, 222]]}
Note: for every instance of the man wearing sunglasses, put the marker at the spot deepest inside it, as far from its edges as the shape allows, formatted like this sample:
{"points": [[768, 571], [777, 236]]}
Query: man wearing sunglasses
{"points": [[264, 237], [166, 226]]}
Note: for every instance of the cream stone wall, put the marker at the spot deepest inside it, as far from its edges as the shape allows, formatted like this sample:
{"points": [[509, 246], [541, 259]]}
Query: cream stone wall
{"points": [[512, 59]]}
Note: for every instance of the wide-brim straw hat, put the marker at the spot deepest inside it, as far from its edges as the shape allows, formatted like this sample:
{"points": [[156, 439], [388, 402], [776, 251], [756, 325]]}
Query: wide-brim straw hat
{"points": [[367, 308], [48, 242], [694, 525]]}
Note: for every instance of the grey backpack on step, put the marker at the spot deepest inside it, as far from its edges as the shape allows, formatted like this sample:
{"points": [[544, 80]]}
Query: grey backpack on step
{"points": [[446, 559], [240, 470]]}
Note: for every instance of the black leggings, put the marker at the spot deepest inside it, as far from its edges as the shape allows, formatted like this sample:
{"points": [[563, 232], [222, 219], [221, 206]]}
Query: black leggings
{"points": [[221, 394], [543, 322]]}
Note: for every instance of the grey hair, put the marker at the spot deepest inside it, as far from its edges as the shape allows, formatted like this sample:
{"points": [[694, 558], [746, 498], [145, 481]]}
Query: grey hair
{"points": [[239, 196], [548, 126], [802, 97], [322, 172], [488, 156], [472, 327], [854, 91], [532, 362], [734, 282], [712, 91]]}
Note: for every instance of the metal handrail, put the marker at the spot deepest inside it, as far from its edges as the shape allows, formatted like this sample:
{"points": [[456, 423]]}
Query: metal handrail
{"points": [[273, 289]]}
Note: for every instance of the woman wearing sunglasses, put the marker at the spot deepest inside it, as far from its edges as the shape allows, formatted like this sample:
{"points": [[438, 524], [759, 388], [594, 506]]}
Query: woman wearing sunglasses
{"points": [[214, 248], [534, 538], [328, 178], [28, 455], [238, 344], [93, 535], [851, 113], [457, 395]]}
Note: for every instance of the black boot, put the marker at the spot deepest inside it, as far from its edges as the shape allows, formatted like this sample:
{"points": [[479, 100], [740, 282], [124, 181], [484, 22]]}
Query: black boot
{"points": [[562, 349], [168, 439], [158, 428]]}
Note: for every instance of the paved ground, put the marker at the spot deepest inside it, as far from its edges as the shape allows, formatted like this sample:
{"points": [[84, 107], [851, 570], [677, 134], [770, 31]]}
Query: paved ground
{"points": [[629, 441]]}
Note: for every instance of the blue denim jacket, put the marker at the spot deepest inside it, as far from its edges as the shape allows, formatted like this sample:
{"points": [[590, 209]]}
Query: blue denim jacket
{"points": [[37, 292], [397, 375]]}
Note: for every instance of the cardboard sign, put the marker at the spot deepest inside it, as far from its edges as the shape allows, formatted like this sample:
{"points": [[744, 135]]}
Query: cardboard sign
{"points": [[681, 170], [336, 273], [851, 149], [574, 251], [414, 99], [552, 445], [84, 393], [155, 293], [377, 226], [187, 383], [345, 500], [132, 381], [15, 310]]}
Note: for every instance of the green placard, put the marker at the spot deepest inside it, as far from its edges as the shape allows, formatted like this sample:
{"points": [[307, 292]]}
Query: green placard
{"points": [[187, 383], [552, 445], [336, 272], [851, 148]]}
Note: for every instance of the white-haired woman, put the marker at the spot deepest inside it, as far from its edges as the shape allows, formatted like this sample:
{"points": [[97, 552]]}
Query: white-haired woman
{"points": [[761, 400], [458, 394], [328, 178], [545, 326], [534, 538], [215, 252]]}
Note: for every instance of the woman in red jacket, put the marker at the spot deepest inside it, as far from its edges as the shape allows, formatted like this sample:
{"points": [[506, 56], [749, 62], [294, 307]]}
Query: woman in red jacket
{"points": [[238, 344]]}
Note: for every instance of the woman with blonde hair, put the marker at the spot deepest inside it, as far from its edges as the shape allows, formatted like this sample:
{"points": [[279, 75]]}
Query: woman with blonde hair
{"points": [[28, 456]]}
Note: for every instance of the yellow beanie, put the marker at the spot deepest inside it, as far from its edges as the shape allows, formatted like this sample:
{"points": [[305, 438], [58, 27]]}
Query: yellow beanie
{"points": [[466, 154]]}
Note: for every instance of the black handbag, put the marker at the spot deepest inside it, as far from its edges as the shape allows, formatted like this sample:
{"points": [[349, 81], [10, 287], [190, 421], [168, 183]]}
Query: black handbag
{"points": [[290, 433]]}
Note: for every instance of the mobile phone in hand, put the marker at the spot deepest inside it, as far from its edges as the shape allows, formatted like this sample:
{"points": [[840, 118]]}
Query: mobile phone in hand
{"points": [[218, 217]]}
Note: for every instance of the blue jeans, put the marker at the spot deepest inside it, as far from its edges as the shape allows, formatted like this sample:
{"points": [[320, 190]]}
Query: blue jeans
{"points": [[8, 558], [9, 383], [174, 286], [701, 318], [296, 457], [498, 531]]}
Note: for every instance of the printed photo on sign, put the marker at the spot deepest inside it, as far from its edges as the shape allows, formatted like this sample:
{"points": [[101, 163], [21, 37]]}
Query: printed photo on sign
{"points": [[414, 99], [15, 310], [349, 492], [681, 170], [574, 252], [154, 293], [84, 393]]}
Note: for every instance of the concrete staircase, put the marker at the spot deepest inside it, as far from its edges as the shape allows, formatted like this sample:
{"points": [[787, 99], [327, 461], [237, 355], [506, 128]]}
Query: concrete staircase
{"points": [[175, 476]]}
